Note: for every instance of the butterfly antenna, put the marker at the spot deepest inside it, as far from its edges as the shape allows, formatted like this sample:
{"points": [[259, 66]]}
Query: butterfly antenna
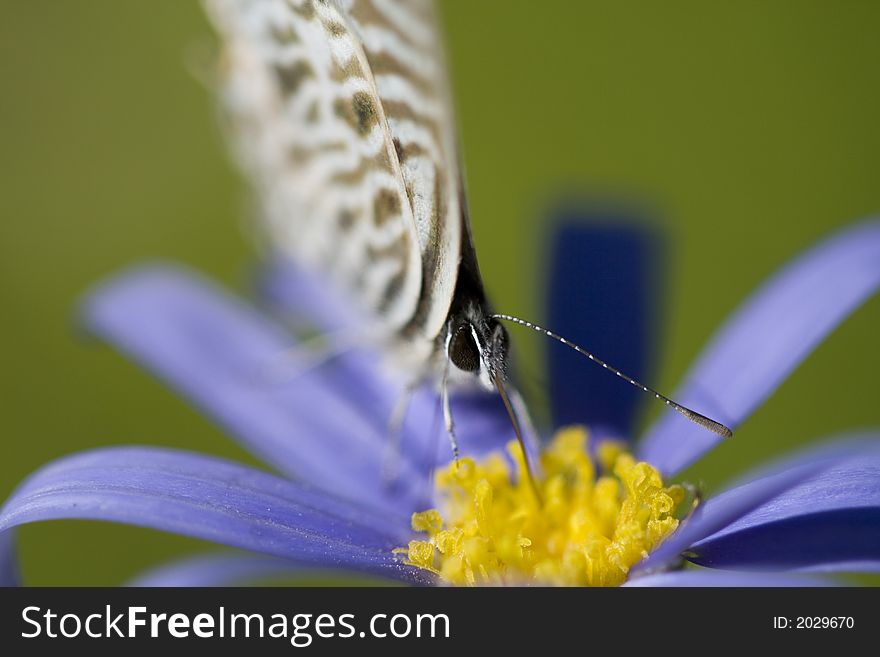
{"points": [[691, 415]]}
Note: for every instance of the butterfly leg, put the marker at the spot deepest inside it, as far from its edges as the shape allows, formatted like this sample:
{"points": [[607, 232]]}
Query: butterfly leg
{"points": [[308, 355], [391, 462], [447, 411]]}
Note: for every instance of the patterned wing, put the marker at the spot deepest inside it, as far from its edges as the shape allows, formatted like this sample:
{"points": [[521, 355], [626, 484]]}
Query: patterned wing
{"points": [[340, 116]]}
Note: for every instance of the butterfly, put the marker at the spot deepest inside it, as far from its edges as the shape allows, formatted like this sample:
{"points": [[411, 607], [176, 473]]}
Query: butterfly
{"points": [[341, 116]]}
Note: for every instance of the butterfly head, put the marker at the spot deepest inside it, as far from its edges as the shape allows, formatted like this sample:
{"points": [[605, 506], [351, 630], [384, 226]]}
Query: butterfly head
{"points": [[479, 346]]}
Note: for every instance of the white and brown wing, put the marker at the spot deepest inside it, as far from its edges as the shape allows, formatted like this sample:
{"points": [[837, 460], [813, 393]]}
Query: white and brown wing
{"points": [[340, 116]]}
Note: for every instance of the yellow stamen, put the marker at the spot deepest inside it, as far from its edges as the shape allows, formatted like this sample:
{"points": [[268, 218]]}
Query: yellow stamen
{"points": [[588, 530]]}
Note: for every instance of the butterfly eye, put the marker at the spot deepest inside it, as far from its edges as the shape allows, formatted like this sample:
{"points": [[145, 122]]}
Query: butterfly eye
{"points": [[463, 352]]}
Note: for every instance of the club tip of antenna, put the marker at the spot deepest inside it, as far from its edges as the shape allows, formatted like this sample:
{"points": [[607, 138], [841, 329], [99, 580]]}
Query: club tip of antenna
{"points": [[712, 425]]}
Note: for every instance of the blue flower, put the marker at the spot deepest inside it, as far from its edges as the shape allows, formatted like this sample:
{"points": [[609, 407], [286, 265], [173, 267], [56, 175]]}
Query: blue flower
{"points": [[324, 433]]}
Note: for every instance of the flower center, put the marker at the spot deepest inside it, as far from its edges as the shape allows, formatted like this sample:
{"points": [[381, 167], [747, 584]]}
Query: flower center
{"points": [[589, 530]]}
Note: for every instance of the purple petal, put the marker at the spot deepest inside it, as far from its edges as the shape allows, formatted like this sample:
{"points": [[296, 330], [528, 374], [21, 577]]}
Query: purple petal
{"points": [[217, 570], [855, 567], [9, 572], [762, 486], [217, 351], [718, 512], [766, 339], [602, 294], [328, 425], [711, 578], [830, 520], [215, 500], [481, 421]]}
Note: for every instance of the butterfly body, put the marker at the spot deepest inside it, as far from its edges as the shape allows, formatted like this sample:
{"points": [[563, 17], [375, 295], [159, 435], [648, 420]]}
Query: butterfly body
{"points": [[340, 115]]}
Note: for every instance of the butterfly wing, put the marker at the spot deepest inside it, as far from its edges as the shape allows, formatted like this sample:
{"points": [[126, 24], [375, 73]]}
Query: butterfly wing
{"points": [[340, 116]]}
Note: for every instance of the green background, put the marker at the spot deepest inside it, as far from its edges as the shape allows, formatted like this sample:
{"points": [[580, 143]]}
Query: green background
{"points": [[750, 126]]}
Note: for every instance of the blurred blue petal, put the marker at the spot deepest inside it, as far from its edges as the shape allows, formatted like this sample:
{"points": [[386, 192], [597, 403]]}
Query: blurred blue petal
{"points": [[217, 570], [763, 486], [215, 500], [712, 578], [766, 339], [603, 295]]}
